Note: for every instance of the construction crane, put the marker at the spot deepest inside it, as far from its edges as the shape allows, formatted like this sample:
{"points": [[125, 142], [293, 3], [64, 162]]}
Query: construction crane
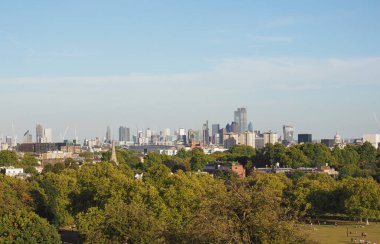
{"points": [[64, 133]]}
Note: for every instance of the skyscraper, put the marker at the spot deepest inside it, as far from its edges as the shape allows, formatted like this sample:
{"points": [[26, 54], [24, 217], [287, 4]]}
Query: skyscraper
{"points": [[205, 134], [240, 118], [215, 133], [39, 133], [48, 135], [124, 133], [108, 135], [288, 133]]}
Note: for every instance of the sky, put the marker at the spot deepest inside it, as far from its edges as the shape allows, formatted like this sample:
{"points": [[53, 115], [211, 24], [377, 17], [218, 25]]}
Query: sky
{"points": [[86, 64]]}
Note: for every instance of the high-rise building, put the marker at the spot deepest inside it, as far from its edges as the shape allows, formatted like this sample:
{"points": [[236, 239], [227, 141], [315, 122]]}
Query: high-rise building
{"points": [[234, 127], [215, 133], [304, 138], [166, 136], [250, 127], [228, 128], [124, 133], [39, 133], [181, 132], [27, 137], [108, 135], [288, 133], [148, 135], [48, 135], [205, 134], [270, 138], [240, 118]]}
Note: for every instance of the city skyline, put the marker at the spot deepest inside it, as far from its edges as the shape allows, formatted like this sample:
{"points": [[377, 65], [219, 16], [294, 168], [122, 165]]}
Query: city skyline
{"points": [[310, 64]]}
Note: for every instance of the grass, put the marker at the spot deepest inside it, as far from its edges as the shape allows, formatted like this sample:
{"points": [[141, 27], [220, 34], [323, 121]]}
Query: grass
{"points": [[327, 232]]}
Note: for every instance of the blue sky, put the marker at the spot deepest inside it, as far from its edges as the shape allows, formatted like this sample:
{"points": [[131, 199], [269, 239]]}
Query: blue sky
{"points": [[175, 63]]}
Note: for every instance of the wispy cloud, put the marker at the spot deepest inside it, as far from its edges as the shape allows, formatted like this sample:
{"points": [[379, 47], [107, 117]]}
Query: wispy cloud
{"points": [[261, 73]]}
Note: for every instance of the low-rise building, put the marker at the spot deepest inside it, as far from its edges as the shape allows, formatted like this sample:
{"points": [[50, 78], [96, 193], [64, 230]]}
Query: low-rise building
{"points": [[216, 167], [11, 171]]}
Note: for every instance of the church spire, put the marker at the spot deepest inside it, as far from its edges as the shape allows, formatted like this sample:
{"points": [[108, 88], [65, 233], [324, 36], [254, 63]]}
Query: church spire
{"points": [[113, 154]]}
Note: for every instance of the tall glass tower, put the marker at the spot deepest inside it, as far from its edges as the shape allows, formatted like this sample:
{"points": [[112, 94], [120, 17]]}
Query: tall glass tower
{"points": [[240, 118]]}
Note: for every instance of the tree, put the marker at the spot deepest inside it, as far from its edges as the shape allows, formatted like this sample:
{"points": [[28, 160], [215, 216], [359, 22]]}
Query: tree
{"points": [[360, 197], [296, 158], [57, 188], [21, 226], [8, 158], [367, 153], [198, 159], [318, 154], [347, 155]]}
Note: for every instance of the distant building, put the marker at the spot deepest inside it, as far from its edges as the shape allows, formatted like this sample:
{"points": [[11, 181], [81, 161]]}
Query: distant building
{"points": [[233, 167], [328, 142], [48, 135], [124, 134], [259, 141], [250, 127], [215, 133], [108, 135], [288, 133], [39, 133], [205, 134], [247, 138], [240, 119], [270, 138], [11, 171], [374, 139], [304, 138], [27, 137]]}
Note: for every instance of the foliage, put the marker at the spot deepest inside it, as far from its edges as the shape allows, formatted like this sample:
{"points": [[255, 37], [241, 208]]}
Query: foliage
{"points": [[21, 226]]}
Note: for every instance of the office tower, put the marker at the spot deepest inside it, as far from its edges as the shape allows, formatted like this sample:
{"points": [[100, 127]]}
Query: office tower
{"points": [[250, 127], [27, 137], [48, 135], [190, 136], [215, 133], [39, 133], [108, 135], [182, 132], [228, 128], [205, 134], [124, 134], [288, 133], [234, 127], [148, 135], [270, 138], [215, 129], [165, 135], [240, 118], [221, 135], [303, 138], [9, 141]]}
